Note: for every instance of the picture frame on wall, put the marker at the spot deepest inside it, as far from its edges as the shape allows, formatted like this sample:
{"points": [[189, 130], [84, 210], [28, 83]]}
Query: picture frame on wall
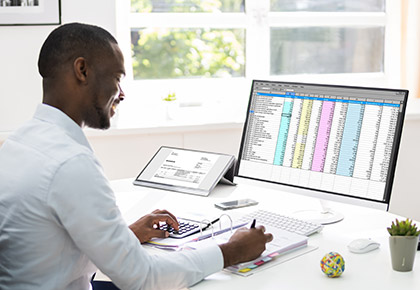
{"points": [[30, 12]]}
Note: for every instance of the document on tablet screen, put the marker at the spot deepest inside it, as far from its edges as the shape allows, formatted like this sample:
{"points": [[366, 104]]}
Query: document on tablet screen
{"points": [[185, 168]]}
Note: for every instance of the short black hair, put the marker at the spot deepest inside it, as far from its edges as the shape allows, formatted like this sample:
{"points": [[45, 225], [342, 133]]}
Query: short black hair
{"points": [[70, 41]]}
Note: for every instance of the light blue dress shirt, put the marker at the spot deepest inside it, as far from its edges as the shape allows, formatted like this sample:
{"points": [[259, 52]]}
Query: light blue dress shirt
{"points": [[58, 218]]}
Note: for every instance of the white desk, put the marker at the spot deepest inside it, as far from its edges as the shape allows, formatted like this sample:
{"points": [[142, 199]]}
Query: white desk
{"points": [[363, 271]]}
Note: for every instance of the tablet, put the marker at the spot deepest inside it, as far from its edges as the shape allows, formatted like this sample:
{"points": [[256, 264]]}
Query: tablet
{"points": [[188, 171]]}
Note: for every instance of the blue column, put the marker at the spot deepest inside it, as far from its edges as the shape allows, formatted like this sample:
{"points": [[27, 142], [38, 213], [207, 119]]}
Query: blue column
{"points": [[283, 132], [350, 140]]}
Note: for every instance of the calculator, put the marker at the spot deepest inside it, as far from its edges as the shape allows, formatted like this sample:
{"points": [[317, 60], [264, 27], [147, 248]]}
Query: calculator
{"points": [[186, 228]]}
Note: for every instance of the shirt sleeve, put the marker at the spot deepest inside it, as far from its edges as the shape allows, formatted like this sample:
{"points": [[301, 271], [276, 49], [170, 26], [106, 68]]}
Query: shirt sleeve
{"points": [[83, 202]]}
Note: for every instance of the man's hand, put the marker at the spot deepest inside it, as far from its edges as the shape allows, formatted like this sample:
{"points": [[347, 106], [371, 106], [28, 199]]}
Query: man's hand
{"points": [[245, 245], [147, 227]]}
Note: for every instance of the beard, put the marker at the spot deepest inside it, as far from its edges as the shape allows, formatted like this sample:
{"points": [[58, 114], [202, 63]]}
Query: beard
{"points": [[98, 118], [104, 120]]}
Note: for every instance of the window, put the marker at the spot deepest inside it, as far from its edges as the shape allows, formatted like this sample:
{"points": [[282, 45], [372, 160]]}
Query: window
{"points": [[208, 51]]}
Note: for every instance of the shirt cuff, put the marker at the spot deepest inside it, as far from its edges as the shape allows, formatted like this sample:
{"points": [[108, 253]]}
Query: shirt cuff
{"points": [[212, 258]]}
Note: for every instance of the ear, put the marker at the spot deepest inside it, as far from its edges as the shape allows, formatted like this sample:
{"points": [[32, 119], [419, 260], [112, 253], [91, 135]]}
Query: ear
{"points": [[80, 69]]}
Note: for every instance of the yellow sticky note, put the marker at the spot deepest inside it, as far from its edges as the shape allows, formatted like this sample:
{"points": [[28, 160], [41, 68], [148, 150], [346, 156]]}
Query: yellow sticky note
{"points": [[244, 270]]}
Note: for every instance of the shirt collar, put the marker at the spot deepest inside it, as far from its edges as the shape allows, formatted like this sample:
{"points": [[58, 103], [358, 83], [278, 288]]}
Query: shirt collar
{"points": [[55, 116]]}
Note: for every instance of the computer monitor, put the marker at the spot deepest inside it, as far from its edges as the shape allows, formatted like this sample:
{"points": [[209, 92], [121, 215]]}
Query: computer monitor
{"points": [[338, 141]]}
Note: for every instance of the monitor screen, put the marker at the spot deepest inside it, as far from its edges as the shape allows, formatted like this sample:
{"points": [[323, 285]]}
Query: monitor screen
{"points": [[334, 139]]}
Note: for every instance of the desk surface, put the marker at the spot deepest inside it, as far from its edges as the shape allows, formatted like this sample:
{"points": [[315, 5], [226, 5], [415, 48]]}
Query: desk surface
{"points": [[362, 271]]}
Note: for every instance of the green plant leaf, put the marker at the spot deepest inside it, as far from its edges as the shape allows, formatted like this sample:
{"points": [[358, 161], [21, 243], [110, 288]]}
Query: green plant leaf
{"points": [[403, 228]]}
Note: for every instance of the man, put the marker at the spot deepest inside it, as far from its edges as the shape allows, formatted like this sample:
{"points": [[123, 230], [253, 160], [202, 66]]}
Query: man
{"points": [[58, 217]]}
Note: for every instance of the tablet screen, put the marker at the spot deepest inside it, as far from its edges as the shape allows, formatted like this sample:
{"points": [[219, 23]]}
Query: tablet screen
{"points": [[177, 169]]}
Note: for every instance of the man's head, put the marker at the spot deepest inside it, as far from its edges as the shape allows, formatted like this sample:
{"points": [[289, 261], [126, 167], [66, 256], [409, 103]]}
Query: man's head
{"points": [[81, 66]]}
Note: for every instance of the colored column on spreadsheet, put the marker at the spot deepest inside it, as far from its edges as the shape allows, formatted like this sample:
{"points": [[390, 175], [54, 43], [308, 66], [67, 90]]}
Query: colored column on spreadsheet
{"points": [[312, 134], [350, 140], [305, 117], [293, 132], [324, 131], [283, 132], [336, 136]]}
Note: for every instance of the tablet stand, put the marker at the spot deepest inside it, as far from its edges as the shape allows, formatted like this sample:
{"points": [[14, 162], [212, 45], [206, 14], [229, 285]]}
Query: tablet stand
{"points": [[229, 175]]}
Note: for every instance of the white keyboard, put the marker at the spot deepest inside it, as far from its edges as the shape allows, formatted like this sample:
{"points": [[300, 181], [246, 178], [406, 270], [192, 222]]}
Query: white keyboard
{"points": [[283, 222]]}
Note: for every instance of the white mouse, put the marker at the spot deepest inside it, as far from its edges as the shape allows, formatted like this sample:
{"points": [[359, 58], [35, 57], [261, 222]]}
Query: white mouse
{"points": [[361, 246]]}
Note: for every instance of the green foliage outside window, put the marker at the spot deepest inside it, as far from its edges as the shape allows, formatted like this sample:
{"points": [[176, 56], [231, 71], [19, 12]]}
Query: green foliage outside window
{"points": [[187, 52], [173, 53]]}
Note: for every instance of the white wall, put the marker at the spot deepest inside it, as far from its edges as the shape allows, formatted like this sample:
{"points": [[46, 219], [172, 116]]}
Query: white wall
{"points": [[20, 82], [405, 199]]}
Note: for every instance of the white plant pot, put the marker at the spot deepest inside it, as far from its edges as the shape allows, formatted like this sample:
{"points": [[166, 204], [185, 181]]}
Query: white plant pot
{"points": [[172, 108]]}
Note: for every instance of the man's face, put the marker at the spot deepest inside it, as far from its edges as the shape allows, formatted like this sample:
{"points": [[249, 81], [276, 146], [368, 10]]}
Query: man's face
{"points": [[105, 89]]}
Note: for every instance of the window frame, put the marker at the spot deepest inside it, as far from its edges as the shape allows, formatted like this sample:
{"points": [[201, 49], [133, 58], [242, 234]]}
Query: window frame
{"points": [[257, 21]]}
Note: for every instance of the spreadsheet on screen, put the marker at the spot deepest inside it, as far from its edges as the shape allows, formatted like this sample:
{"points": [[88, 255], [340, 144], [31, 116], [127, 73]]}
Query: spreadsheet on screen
{"points": [[335, 139]]}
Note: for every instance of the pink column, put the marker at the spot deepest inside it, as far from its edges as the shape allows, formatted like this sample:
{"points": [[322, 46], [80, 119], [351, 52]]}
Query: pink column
{"points": [[324, 130]]}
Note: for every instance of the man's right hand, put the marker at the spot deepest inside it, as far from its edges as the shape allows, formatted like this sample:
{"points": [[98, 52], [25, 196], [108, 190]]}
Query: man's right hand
{"points": [[147, 227], [245, 245]]}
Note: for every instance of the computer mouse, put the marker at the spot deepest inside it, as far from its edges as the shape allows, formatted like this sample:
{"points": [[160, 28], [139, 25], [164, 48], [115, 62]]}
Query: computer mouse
{"points": [[361, 246]]}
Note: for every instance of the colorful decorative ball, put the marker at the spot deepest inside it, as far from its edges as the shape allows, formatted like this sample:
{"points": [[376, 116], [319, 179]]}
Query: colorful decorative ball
{"points": [[332, 264]]}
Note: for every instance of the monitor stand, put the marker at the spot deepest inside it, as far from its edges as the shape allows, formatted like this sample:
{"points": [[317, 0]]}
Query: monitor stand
{"points": [[323, 216]]}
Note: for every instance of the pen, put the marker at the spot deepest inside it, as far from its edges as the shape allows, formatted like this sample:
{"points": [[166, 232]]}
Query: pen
{"points": [[253, 224], [210, 224]]}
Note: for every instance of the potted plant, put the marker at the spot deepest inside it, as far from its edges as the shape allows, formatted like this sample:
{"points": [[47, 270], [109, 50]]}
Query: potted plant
{"points": [[403, 244]]}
